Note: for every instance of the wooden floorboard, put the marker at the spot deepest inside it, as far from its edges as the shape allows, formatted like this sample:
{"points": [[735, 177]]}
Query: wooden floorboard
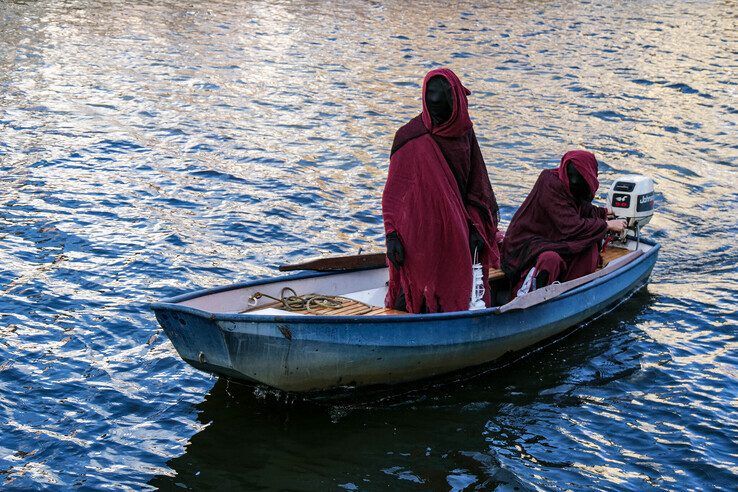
{"points": [[384, 312], [348, 308], [612, 253]]}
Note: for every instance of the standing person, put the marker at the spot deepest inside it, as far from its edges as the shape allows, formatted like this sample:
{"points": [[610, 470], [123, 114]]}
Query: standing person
{"points": [[438, 206], [556, 233]]}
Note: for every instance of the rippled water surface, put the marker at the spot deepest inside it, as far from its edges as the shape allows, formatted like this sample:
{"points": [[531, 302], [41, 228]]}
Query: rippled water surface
{"points": [[152, 148]]}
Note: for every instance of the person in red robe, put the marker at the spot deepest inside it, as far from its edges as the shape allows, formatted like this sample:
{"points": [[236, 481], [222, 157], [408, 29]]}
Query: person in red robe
{"points": [[556, 233], [438, 205]]}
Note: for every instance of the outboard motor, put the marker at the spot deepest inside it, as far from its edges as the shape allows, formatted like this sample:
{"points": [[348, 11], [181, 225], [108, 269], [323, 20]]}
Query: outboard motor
{"points": [[631, 198]]}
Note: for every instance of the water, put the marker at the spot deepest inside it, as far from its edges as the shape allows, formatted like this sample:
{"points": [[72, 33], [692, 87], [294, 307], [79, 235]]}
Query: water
{"points": [[152, 148]]}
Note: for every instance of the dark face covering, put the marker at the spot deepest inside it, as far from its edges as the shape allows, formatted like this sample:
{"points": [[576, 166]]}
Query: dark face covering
{"points": [[578, 185], [438, 99]]}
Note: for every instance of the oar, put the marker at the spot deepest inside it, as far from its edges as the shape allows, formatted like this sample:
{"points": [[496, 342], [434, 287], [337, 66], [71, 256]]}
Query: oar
{"points": [[337, 263]]}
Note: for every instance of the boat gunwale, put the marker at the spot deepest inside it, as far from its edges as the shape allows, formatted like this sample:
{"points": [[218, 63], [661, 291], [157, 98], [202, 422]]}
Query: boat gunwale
{"points": [[173, 303]]}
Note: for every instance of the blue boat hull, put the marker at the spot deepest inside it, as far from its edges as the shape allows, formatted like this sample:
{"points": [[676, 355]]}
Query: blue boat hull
{"points": [[315, 353]]}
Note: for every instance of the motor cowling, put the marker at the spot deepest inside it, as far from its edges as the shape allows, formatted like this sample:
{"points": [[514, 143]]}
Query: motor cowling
{"points": [[631, 198]]}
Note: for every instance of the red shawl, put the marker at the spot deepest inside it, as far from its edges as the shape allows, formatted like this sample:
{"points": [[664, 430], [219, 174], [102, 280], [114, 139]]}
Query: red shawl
{"points": [[550, 219], [437, 185]]}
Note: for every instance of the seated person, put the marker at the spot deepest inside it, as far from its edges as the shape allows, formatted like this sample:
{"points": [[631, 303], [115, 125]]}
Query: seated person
{"points": [[556, 234], [438, 206]]}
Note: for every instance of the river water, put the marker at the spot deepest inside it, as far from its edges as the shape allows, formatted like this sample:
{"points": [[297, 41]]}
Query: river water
{"points": [[149, 148]]}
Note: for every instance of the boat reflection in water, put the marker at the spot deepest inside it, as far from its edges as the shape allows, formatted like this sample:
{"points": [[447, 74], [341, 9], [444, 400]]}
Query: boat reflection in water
{"points": [[256, 439]]}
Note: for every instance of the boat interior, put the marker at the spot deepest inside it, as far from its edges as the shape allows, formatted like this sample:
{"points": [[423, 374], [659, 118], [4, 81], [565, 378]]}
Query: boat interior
{"points": [[362, 292]]}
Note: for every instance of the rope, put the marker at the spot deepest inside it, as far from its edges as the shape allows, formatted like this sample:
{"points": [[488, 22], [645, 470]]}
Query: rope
{"points": [[309, 302]]}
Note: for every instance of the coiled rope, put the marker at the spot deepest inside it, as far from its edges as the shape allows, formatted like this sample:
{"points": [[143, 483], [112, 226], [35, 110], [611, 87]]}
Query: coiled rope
{"points": [[309, 302]]}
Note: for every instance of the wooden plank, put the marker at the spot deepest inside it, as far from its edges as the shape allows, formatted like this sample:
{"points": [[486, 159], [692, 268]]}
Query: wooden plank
{"points": [[376, 311], [357, 310], [612, 253], [384, 312], [349, 308], [496, 274], [352, 306], [337, 263], [320, 311], [389, 311]]}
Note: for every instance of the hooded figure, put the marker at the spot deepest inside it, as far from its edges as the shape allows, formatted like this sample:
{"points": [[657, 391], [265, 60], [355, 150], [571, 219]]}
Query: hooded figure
{"points": [[557, 230], [438, 205]]}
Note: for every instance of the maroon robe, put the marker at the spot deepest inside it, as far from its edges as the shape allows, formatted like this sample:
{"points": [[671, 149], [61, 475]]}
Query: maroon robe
{"points": [[554, 232], [436, 188]]}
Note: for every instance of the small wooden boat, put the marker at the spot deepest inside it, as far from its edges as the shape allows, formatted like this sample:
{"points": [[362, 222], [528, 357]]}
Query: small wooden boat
{"points": [[238, 332]]}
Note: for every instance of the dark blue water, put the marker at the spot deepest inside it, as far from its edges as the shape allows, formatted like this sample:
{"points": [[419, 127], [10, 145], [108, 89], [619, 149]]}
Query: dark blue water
{"points": [[152, 148]]}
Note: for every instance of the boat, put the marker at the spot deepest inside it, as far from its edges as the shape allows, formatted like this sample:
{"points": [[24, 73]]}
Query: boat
{"points": [[238, 332]]}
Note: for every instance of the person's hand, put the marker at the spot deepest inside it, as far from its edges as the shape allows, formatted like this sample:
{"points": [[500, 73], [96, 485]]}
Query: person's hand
{"points": [[395, 251], [617, 225], [610, 213], [476, 242]]}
